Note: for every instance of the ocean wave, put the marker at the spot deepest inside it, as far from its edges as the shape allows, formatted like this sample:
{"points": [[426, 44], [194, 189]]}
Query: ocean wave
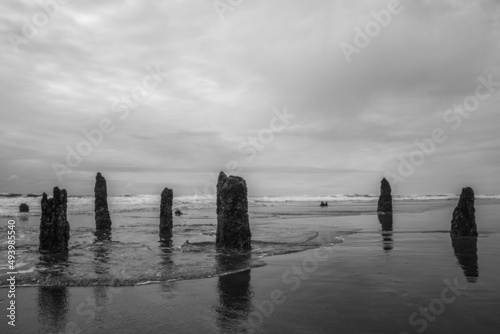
{"points": [[106, 266], [417, 197], [9, 203], [487, 196]]}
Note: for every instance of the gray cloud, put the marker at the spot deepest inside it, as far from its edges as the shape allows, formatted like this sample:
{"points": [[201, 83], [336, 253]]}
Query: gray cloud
{"points": [[223, 79]]}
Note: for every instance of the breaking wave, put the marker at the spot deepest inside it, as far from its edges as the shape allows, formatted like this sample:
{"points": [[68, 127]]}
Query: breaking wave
{"points": [[9, 203]]}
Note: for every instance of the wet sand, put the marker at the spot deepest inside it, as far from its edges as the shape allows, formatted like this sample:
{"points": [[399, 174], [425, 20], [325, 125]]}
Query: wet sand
{"points": [[376, 281]]}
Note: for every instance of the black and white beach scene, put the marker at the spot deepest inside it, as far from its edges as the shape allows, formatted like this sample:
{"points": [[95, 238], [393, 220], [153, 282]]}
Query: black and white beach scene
{"points": [[237, 166]]}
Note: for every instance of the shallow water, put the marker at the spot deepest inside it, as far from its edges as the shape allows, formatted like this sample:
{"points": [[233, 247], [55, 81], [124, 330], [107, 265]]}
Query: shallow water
{"points": [[132, 252]]}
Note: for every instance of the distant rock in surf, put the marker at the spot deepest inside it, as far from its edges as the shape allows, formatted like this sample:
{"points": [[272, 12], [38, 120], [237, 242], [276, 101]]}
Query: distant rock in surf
{"points": [[102, 218], [54, 226], [178, 212], [166, 222], [385, 199], [463, 223], [24, 208], [233, 228]]}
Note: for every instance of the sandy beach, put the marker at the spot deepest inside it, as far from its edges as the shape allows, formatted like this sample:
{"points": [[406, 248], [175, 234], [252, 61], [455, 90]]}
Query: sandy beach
{"points": [[408, 280]]}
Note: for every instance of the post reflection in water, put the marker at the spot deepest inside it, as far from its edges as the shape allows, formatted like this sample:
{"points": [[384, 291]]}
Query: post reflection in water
{"points": [[168, 267], [166, 246], [235, 291], [52, 301], [101, 252], [386, 222], [101, 265], [165, 238], [466, 252], [102, 236]]}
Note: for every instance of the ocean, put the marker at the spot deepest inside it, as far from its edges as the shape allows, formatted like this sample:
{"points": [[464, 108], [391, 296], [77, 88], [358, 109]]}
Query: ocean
{"points": [[9, 203]]}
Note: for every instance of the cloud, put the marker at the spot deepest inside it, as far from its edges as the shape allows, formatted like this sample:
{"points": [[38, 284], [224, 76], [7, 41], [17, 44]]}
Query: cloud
{"points": [[223, 79]]}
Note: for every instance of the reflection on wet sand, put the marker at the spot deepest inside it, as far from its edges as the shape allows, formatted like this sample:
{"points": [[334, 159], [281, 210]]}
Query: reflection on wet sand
{"points": [[235, 291], [466, 253], [53, 304], [53, 301], [387, 240]]}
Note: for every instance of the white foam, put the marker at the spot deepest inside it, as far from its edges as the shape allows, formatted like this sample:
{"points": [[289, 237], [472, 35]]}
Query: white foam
{"points": [[9, 206], [32, 269]]}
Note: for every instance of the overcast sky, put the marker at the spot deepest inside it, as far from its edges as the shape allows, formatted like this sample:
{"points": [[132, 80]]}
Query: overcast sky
{"points": [[222, 81]]}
